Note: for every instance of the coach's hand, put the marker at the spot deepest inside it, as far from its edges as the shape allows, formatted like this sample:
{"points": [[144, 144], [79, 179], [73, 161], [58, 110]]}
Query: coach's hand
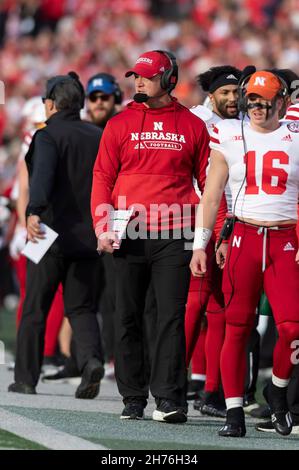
{"points": [[105, 242], [33, 228], [198, 263], [297, 257]]}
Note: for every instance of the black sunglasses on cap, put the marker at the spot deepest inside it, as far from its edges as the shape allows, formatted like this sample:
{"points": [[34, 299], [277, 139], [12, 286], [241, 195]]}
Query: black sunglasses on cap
{"points": [[93, 97]]}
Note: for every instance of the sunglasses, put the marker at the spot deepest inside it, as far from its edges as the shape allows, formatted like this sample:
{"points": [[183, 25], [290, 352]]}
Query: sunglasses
{"points": [[95, 97]]}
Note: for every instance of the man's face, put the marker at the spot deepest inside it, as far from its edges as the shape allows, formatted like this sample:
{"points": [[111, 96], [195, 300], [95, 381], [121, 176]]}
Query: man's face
{"points": [[100, 107], [149, 86], [224, 101], [262, 116]]}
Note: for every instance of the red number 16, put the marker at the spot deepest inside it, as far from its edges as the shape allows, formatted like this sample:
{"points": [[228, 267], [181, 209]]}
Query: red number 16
{"points": [[267, 173]]}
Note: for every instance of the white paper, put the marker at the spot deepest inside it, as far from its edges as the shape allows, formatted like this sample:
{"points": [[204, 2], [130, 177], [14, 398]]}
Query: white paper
{"points": [[119, 221], [35, 251]]}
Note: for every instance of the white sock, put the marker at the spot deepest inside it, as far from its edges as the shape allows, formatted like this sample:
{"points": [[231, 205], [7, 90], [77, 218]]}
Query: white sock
{"points": [[235, 402], [281, 383], [198, 377]]}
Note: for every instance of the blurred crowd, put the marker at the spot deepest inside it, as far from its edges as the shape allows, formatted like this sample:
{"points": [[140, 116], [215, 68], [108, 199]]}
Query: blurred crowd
{"points": [[42, 38]]}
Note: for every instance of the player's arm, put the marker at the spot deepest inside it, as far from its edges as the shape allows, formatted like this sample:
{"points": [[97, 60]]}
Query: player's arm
{"points": [[207, 210]]}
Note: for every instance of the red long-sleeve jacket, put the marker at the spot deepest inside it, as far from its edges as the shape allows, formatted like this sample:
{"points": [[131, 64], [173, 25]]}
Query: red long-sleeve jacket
{"points": [[150, 156]]}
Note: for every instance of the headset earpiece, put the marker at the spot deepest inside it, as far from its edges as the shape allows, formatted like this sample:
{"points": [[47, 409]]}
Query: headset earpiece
{"points": [[284, 89], [242, 100], [118, 94], [169, 78]]}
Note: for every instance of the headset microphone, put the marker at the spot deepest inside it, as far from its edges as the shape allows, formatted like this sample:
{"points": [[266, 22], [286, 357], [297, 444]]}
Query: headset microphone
{"points": [[141, 97]]}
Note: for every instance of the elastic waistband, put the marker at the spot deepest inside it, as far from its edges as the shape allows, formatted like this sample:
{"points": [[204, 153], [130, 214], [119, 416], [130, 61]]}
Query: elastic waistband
{"points": [[273, 227]]}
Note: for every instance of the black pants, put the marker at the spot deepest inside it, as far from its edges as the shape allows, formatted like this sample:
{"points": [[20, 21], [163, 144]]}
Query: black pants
{"points": [[150, 325], [166, 264], [107, 307], [80, 280]]}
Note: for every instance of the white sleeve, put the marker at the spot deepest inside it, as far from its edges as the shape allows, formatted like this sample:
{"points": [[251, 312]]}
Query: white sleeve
{"points": [[216, 141]]}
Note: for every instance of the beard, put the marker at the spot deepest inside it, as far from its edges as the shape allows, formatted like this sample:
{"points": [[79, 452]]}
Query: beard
{"points": [[225, 111], [99, 118]]}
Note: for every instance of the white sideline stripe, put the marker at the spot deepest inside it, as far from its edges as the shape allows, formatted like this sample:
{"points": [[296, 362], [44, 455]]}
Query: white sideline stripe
{"points": [[44, 435]]}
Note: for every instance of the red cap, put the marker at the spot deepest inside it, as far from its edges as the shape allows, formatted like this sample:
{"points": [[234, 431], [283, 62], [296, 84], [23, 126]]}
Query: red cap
{"points": [[150, 64], [264, 84]]}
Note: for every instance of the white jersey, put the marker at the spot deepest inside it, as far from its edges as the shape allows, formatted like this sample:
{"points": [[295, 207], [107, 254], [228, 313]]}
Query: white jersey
{"points": [[211, 119], [270, 191]]}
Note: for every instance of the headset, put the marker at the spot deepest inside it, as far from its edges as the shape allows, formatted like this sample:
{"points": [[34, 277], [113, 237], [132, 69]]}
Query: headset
{"points": [[117, 92], [169, 78], [245, 77]]}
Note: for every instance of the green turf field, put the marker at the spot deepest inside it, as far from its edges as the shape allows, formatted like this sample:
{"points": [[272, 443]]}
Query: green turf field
{"points": [[11, 441], [54, 419], [106, 429]]}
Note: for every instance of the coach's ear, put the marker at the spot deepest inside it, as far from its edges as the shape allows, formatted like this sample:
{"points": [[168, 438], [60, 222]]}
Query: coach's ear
{"points": [[50, 107]]}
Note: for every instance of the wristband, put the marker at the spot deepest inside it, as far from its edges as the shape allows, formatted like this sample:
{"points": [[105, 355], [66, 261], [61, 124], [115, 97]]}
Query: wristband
{"points": [[201, 238]]}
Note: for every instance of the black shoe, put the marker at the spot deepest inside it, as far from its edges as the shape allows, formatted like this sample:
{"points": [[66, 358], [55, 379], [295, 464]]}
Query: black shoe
{"points": [[211, 405], [235, 423], [194, 389], [197, 404], [134, 408], [268, 426], [281, 418], [64, 376], [52, 364], [19, 387], [93, 372], [169, 412], [254, 409], [55, 361], [262, 412]]}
